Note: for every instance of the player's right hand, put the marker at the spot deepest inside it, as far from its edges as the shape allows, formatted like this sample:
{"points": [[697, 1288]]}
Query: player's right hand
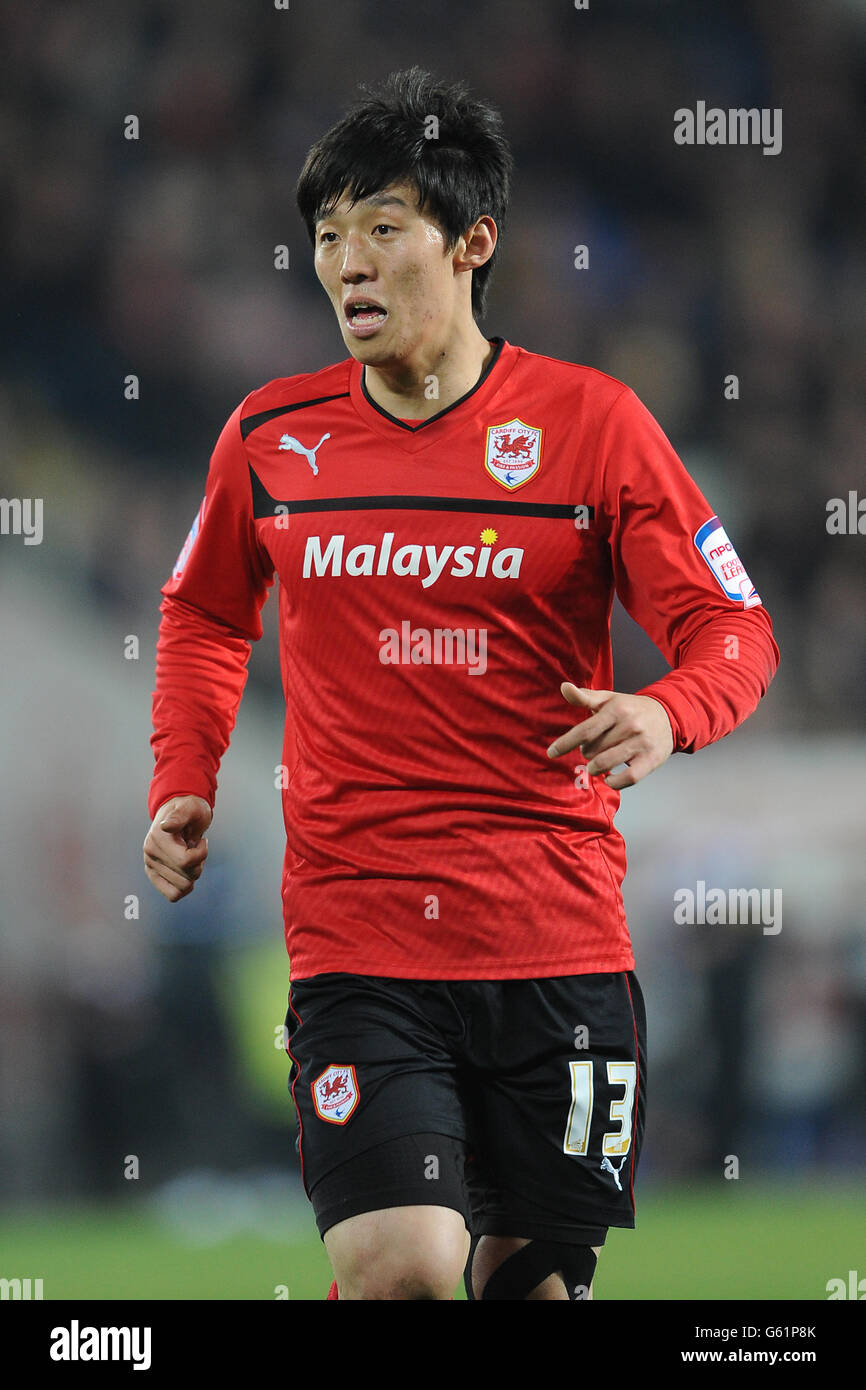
{"points": [[175, 848]]}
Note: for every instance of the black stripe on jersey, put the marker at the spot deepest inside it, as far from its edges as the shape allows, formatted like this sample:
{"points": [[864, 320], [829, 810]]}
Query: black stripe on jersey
{"points": [[252, 422], [264, 505], [413, 429]]}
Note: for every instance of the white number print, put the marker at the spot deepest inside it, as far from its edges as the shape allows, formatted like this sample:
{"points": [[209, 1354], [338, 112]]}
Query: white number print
{"points": [[617, 1142], [580, 1112]]}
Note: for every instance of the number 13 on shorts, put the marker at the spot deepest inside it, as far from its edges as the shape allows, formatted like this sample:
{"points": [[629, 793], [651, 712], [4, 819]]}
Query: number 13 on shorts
{"points": [[615, 1142]]}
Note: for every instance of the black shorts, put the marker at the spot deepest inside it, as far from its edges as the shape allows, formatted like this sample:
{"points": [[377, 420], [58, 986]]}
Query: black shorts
{"points": [[519, 1103]]}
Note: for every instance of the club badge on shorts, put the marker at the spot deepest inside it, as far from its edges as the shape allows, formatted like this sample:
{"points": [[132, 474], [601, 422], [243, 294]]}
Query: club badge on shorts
{"points": [[513, 454], [336, 1094]]}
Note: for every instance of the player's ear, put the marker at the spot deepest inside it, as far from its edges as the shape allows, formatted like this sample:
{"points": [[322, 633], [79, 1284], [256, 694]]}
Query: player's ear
{"points": [[479, 243]]}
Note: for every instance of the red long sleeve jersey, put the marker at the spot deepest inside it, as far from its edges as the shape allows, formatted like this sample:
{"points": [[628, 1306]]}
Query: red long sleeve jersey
{"points": [[438, 581]]}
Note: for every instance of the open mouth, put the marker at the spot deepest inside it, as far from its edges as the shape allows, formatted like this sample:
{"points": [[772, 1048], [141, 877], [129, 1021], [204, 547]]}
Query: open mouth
{"points": [[364, 315]]}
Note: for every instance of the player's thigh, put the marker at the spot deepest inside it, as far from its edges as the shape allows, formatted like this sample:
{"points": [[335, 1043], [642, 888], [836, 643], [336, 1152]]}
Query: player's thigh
{"points": [[394, 1218], [409, 1252]]}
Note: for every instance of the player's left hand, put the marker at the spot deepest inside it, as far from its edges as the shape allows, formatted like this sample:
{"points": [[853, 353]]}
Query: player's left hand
{"points": [[630, 729]]}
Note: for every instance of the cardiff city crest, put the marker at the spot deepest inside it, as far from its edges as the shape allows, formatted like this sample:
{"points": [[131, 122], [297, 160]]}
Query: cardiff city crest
{"points": [[336, 1094], [513, 454]]}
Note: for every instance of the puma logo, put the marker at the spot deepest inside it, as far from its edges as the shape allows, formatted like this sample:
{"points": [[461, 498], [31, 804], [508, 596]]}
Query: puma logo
{"points": [[294, 446], [607, 1167]]}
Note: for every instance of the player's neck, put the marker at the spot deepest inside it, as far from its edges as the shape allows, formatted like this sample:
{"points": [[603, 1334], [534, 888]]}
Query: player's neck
{"points": [[416, 390]]}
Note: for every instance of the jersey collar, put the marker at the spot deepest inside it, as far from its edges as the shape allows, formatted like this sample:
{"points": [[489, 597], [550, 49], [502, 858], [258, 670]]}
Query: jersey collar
{"points": [[412, 438]]}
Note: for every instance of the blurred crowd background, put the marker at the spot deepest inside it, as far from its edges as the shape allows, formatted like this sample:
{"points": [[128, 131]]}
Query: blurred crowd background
{"points": [[132, 1028]]}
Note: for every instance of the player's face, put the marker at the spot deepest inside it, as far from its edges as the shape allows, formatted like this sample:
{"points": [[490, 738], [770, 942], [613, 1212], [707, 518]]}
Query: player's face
{"points": [[387, 274]]}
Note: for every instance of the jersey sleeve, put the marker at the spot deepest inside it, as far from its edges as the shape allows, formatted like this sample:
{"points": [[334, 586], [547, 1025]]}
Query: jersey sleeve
{"points": [[210, 614], [678, 575]]}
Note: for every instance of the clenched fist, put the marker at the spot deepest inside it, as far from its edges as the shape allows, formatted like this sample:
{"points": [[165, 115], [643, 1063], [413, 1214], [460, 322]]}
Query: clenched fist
{"points": [[175, 848]]}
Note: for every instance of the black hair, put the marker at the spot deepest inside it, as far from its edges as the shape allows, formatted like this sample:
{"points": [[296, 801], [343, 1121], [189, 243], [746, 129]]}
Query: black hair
{"points": [[460, 163]]}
